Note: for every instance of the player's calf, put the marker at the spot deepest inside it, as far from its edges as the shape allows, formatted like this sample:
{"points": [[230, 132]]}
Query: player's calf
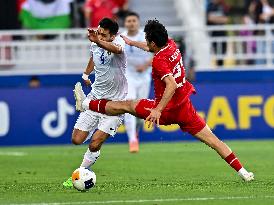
{"points": [[93, 152], [95, 144], [120, 107]]}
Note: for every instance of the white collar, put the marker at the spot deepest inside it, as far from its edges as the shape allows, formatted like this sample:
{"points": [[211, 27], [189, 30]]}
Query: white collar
{"points": [[162, 49]]}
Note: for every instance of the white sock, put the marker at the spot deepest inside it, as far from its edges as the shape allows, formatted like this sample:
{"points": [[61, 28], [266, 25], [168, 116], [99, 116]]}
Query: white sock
{"points": [[243, 171], [85, 104], [130, 123], [90, 158]]}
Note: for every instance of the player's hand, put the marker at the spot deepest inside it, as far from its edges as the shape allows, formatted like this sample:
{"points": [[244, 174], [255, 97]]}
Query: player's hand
{"points": [[87, 82], [92, 35], [127, 40], [154, 117], [141, 68]]}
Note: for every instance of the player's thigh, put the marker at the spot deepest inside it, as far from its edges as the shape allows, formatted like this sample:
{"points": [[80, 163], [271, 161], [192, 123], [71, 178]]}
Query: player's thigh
{"points": [[141, 108], [188, 119], [86, 123], [110, 124]]}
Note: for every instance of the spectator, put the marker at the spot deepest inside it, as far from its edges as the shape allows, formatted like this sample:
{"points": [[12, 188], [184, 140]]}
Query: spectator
{"points": [[8, 15], [77, 13], [46, 14], [95, 10], [123, 10], [217, 15], [34, 82], [248, 19], [8, 20], [264, 14]]}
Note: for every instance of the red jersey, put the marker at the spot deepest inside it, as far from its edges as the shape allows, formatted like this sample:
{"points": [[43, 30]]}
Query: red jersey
{"points": [[168, 61]]}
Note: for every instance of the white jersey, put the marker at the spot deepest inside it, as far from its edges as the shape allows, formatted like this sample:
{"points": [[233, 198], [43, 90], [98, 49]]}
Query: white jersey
{"points": [[137, 56], [110, 69]]}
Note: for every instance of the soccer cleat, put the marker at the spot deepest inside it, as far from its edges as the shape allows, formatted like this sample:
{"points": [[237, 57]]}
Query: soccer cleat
{"points": [[248, 176], [79, 96], [134, 147], [68, 183]]}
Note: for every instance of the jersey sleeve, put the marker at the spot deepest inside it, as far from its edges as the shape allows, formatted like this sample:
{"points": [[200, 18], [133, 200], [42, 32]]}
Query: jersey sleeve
{"points": [[161, 68], [91, 49], [120, 42]]}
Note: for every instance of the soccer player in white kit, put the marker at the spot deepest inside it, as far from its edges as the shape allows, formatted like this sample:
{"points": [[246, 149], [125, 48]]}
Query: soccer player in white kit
{"points": [[108, 60], [138, 74]]}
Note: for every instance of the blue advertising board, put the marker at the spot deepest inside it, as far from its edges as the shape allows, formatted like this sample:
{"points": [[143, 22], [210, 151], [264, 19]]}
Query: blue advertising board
{"points": [[240, 110]]}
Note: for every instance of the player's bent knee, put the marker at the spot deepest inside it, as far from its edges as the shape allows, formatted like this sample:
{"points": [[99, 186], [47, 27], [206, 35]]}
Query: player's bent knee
{"points": [[76, 140], [78, 136]]}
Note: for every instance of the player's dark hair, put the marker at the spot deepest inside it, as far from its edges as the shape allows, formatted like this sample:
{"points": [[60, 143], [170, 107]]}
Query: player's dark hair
{"points": [[132, 13], [156, 32], [109, 24]]}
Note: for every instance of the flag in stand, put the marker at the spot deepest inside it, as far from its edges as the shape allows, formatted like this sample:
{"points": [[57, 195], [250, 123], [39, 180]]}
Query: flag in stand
{"points": [[45, 14]]}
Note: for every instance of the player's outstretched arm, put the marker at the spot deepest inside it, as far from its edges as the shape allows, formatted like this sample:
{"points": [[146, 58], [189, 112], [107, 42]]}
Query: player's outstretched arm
{"points": [[109, 46], [87, 72], [138, 44], [155, 113]]}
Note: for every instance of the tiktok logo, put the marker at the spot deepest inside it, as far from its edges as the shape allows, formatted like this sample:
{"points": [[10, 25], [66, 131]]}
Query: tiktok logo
{"points": [[4, 119], [59, 116]]}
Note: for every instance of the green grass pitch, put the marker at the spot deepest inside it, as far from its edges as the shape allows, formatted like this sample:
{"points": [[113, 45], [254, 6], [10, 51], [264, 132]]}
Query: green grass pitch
{"points": [[162, 173]]}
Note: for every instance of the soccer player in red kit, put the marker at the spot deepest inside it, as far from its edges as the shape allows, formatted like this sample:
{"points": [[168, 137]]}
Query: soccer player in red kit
{"points": [[172, 104]]}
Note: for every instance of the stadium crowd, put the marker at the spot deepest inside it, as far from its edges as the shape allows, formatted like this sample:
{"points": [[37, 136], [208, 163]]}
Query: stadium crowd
{"points": [[60, 14], [254, 12], [87, 13], [27, 14]]}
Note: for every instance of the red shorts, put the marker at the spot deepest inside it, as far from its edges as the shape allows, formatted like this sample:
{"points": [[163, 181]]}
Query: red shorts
{"points": [[184, 115]]}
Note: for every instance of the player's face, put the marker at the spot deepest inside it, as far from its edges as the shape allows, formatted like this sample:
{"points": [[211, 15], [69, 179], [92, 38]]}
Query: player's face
{"points": [[132, 23], [151, 45], [104, 35]]}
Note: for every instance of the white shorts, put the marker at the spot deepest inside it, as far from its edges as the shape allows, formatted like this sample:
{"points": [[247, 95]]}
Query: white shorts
{"points": [[89, 121]]}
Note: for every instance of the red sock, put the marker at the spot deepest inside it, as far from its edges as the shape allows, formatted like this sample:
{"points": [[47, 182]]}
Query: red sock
{"points": [[98, 105], [233, 161]]}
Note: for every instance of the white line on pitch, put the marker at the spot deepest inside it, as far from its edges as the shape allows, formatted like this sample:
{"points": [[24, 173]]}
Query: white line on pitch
{"points": [[20, 154], [153, 200]]}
